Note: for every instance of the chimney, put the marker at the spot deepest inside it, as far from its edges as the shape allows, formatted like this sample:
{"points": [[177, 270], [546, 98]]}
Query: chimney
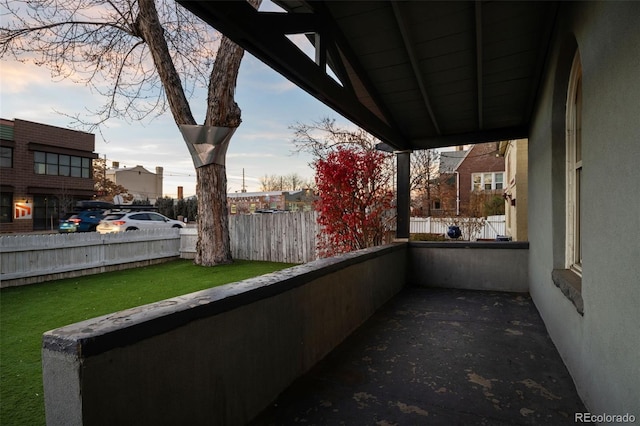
{"points": [[180, 193], [115, 164], [159, 189]]}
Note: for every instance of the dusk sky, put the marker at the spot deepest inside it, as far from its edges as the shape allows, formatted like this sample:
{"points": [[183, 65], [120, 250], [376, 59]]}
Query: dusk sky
{"points": [[262, 145]]}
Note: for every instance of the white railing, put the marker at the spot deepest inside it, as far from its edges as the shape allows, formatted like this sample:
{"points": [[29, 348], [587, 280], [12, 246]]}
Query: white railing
{"points": [[472, 228]]}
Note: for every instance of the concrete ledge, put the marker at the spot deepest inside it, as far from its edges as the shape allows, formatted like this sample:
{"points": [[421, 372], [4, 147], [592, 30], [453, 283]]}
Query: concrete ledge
{"points": [[571, 286], [217, 356], [511, 245], [72, 272], [497, 265]]}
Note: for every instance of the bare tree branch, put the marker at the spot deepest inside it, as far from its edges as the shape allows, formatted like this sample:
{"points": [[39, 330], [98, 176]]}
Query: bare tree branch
{"points": [[108, 46], [142, 56]]}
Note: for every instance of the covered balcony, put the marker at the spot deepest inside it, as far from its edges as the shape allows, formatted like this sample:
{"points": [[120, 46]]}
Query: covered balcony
{"points": [[417, 75]]}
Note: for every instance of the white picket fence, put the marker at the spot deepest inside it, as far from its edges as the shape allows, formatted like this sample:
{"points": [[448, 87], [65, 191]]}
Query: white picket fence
{"points": [[25, 259], [472, 228]]}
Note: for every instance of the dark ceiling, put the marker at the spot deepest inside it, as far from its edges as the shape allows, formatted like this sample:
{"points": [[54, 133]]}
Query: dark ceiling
{"points": [[416, 74]]}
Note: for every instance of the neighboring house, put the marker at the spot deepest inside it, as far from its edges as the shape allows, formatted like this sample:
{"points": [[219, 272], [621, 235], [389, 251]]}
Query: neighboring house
{"points": [[515, 153], [301, 200], [250, 202], [470, 180], [140, 182], [44, 170], [446, 197]]}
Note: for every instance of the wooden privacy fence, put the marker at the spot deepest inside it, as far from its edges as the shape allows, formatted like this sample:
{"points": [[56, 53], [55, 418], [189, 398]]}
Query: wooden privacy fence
{"points": [[277, 237], [273, 237]]}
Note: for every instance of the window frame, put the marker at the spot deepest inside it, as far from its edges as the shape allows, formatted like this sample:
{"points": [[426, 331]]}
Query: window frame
{"points": [[6, 158], [6, 207], [482, 183], [574, 174], [48, 163]]}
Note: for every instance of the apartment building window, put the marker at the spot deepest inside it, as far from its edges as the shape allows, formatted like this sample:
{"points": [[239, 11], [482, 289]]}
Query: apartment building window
{"points": [[574, 168], [6, 157], [487, 181], [6, 200], [49, 163]]}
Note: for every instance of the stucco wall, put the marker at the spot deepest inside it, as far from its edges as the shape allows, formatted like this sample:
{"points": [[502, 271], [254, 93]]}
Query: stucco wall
{"points": [[493, 266], [215, 357], [517, 188], [140, 182], [601, 348]]}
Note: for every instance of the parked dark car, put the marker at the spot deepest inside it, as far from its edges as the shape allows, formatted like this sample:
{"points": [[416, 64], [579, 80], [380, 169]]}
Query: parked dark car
{"points": [[85, 217], [85, 221]]}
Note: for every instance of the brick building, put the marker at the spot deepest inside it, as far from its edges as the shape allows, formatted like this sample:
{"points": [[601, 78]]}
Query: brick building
{"points": [[44, 170], [472, 182]]}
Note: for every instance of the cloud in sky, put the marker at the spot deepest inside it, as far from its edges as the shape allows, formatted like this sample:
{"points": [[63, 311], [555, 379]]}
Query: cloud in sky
{"points": [[261, 146]]}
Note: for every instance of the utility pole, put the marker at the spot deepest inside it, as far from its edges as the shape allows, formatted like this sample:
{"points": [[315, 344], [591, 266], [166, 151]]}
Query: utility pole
{"points": [[244, 188]]}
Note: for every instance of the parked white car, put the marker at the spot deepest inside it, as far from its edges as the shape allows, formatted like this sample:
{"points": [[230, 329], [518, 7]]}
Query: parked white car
{"points": [[131, 221]]}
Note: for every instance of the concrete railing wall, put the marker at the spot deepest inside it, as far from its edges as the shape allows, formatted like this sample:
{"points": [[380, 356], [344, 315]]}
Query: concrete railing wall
{"points": [[215, 357], [500, 266]]}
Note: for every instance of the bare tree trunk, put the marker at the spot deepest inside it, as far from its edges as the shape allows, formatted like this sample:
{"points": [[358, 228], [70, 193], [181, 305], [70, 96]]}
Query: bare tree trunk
{"points": [[213, 246]]}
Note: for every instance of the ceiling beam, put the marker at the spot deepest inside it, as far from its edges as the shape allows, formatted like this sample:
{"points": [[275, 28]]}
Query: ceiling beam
{"points": [[413, 59], [480, 136], [347, 67]]}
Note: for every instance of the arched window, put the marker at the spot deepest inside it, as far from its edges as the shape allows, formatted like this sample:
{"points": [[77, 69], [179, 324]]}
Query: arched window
{"points": [[574, 168]]}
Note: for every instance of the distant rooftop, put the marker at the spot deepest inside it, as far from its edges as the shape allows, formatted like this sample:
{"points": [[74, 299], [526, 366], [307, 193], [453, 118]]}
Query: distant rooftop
{"points": [[449, 160]]}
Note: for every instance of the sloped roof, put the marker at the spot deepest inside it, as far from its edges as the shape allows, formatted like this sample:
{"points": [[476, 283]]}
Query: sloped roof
{"points": [[450, 160]]}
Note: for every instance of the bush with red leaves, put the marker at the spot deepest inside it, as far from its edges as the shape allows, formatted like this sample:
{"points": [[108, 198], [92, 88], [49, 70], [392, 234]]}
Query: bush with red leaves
{"points": [[354, 200]]}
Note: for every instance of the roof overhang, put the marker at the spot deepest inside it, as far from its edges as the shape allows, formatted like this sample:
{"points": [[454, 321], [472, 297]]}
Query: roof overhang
{"points": [[417, 74]]}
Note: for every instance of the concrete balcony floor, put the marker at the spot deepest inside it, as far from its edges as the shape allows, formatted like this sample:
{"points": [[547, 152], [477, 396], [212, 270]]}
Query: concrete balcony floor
{"points": [[437, 357]]}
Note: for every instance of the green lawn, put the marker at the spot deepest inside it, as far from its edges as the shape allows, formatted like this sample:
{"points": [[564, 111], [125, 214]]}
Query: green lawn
{"points": [[27, 312]]}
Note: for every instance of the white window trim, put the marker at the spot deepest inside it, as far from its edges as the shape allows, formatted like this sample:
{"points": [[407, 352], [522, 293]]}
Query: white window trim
{"points": [[493, 180], [574, 168]]}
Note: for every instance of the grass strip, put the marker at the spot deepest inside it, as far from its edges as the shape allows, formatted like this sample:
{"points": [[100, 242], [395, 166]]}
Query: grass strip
{"points": [[27, 312]]}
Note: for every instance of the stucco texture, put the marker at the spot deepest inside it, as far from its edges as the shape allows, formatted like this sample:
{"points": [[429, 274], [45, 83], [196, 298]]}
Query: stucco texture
{"points": [[601, 347]]}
